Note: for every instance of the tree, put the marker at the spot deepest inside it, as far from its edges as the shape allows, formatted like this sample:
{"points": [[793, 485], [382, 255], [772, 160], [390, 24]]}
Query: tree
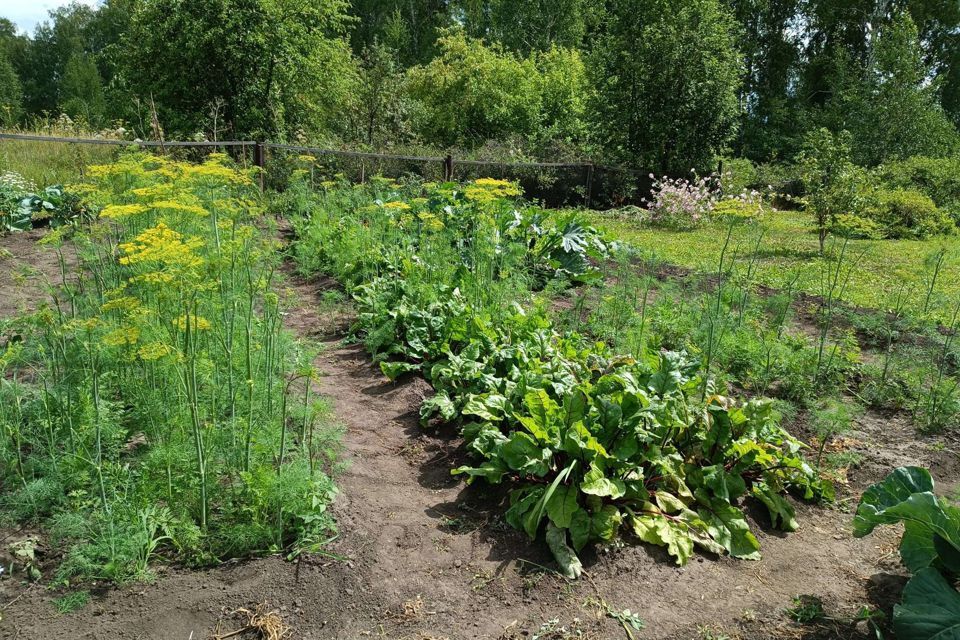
{"points": [[409, 28], [524, 27], [10, 93], [896, 114], [81, 90], [471, 93], [666, 75], [280, 67], [380, 103], [831, 181], [769, 108]]}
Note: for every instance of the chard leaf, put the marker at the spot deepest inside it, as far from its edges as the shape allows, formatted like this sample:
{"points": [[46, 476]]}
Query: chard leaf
{"points": [[664, 532], [516, 514], [580, 529], [522, 454], [491, 470], [930, 609], [782, 515], [562, 505], [726, 524], [440, 403], [605, 522], [566, 558], [595, 483], [394, 370], [486, 407]]}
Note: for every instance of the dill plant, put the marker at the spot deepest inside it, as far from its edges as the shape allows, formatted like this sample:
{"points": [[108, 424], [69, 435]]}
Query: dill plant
{"points": [[152, 393]]}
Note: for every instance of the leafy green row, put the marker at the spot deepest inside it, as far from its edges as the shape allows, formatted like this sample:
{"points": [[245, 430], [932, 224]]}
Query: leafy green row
{"points": [[590, 442]]}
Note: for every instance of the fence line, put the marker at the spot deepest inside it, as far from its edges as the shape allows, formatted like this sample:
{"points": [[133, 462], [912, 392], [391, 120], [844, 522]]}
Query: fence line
{"points": [[448, 162]]}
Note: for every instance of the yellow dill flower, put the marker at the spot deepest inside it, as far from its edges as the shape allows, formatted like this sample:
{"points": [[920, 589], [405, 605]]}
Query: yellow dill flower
{"points": [[217, 172], [486, 189], [155, 278], [328, 184], [307, 158], [124, 303], [182, 207], [121, 211], [397, 205], [121, 336], [162, 190], [197, 323], [430, 221], [163, 246], [81, 324], [154, 351]]}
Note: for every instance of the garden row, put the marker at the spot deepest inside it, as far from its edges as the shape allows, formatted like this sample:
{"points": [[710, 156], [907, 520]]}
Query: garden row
{"points": [[145, 409], [454, 282]]}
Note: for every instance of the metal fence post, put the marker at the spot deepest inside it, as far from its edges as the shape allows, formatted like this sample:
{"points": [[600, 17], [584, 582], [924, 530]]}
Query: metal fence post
{"points": [[448, 168], [260, 160], [589, 195]]}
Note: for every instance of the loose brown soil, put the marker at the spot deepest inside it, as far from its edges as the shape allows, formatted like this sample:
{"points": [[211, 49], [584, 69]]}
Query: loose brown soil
{"points": [[26, 269], [420, 555]]}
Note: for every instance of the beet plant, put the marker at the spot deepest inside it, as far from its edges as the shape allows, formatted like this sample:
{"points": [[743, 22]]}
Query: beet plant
{"points": [[592, 443]]}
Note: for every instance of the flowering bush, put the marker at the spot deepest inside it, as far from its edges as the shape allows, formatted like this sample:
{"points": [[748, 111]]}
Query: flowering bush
{"points": [[681, 203]]}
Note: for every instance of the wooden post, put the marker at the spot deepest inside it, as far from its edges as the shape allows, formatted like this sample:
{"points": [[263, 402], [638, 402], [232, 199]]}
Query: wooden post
{"points": [[589, 195], [448, 168], [260, 160]]}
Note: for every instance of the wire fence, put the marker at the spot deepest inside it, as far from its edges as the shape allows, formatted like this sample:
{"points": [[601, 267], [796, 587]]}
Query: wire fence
{"points": [[551, 183]]}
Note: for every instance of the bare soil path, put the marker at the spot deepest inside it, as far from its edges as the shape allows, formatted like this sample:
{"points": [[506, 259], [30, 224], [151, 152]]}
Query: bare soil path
{"points": [[424, 556]]}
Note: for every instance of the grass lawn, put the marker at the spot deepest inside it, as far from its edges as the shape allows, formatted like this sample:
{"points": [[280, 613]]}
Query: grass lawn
{"points": [[789, 250]]}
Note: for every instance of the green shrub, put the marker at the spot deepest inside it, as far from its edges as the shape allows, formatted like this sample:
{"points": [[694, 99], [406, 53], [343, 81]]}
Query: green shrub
{"points": [[739, 175], [938, 178], [906, 213], [849, 225], [738, 210]]}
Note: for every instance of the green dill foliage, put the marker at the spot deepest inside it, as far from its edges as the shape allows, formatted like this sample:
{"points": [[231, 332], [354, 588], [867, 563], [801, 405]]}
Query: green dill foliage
{"points": [[71, 602]]}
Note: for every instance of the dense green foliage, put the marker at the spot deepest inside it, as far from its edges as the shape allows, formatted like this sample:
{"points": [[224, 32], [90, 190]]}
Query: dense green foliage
{"points": [[590, 442], [471, 93], [930, 549], [666, 74], [657, 84]]}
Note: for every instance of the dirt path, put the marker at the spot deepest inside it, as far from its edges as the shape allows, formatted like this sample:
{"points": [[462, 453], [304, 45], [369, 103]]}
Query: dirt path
{"points": [[427, 557], [439, 559], [26, 268]]}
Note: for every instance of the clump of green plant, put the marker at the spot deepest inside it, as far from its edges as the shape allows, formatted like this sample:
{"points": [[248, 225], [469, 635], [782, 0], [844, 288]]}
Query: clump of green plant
{"points": [[903, 213], [830, 420], [71, 602], [929, 548]]}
